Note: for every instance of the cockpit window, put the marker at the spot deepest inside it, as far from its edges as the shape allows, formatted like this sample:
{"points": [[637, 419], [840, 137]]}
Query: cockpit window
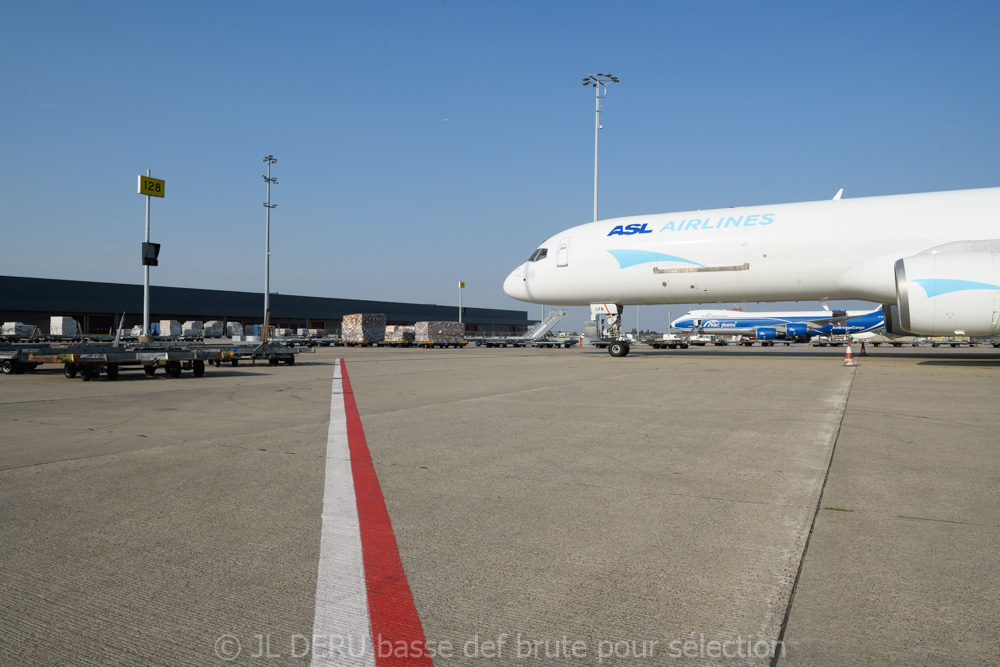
{"points": [[538, 254]]}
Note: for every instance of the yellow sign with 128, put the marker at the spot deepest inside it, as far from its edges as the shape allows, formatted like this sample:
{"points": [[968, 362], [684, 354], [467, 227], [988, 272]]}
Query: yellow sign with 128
{"points": [[153, 187]]}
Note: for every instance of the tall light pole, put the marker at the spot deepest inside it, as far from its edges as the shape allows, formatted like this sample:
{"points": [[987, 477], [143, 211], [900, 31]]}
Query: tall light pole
{"points": [[267, 244], [599, 82], [145, 277]]}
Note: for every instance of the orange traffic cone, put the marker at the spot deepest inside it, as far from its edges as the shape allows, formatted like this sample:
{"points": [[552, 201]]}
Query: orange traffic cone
{"points": [[849, 359], [862, 353]]}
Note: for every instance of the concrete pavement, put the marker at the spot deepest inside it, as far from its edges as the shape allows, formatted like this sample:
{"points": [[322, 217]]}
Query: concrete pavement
{"points": [[549, 506]]}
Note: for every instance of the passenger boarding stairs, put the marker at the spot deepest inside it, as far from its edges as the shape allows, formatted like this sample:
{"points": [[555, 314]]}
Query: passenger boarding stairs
{"points": [[539, 330]]}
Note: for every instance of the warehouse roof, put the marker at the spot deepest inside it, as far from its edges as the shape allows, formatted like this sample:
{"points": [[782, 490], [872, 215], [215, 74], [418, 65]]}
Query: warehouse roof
{"points": [[50, 296]]}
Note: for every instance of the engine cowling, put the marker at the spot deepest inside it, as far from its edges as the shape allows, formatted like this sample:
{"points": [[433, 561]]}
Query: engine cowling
{"points": [[942, 294], [766, 333], [796, 331]]}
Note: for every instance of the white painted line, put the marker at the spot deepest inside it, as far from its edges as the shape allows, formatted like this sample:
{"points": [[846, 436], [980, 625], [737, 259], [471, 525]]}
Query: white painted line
{"points": [[341, 626]]}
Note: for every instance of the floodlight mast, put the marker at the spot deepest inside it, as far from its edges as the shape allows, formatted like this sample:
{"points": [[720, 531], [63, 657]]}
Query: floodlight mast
{"points": [[145, 278], [270, 159], [600, 82]]}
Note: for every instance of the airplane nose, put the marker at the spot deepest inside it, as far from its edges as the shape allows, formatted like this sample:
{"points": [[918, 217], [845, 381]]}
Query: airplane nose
{"points": [[514, 285]]}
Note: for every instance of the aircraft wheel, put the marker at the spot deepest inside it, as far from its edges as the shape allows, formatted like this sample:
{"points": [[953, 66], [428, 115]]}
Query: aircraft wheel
{"points": [[69, 370], [618, 349]]}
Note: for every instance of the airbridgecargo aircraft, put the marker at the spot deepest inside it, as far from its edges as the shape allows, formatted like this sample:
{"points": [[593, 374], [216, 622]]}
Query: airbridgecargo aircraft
{"points": [[789, 326], [935, 255]]}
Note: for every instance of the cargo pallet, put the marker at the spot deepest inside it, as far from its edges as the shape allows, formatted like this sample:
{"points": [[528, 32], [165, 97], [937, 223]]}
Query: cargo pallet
{"points": [[502, 341], [429, 344], [521, 341], [90, 360], [660, 344]]}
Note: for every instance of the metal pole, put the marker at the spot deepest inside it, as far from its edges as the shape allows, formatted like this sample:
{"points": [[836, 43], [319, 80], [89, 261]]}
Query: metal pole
{"points": [[267, 246], [460, 302], [597, 128], [145, 277], [598, 81]]}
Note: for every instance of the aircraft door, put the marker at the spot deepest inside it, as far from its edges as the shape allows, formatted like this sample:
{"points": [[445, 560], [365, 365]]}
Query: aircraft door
{"points": [[562, 254]]}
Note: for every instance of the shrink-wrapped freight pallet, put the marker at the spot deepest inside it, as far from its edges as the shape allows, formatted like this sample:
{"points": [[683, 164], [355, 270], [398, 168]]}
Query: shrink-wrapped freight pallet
{"points": [[192, 328], [63, 326], [363, 328], [213, 329], [234, 328], [399, 333], [17, 329], [170, 328], [439, 332]]}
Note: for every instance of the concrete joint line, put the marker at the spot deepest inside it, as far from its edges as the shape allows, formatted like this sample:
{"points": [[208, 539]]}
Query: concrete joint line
{"points": [[840, 400]]}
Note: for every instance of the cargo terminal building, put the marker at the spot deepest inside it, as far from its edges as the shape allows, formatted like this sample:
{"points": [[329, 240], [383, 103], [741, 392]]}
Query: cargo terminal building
{"points": [[96, 306]]}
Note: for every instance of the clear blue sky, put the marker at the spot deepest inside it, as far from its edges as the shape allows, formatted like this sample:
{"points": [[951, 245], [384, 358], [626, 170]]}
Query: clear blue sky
{"points": [[423, 143]]}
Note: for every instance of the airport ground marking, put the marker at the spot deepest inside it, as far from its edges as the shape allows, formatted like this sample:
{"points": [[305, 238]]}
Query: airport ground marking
{"points": [[365, 614]]}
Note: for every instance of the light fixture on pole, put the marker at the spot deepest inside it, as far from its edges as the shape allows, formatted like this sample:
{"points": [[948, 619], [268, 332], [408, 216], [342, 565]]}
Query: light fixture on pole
{"points": [[270, 159], [600, 82]]}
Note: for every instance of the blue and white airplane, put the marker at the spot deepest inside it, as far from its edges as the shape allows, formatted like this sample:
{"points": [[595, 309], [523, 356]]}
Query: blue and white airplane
{"points": [[935, 255], [767, 327]]}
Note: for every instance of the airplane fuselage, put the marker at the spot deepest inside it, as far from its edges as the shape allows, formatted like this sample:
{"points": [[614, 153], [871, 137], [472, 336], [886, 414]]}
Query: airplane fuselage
{"points": [[835, 249], [791, 323]]}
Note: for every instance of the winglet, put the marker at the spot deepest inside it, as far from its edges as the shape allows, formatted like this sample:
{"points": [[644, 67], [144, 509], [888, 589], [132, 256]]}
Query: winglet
{"points": [[836, 197]]}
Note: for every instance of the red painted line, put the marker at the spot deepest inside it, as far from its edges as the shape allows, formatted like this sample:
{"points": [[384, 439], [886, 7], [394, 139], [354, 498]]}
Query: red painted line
{"points": [[397, 634]]}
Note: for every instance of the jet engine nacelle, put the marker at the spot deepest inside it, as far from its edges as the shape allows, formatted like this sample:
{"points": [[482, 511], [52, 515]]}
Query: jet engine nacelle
{"points": [[766, 333], [796, 331], [942, 294]]}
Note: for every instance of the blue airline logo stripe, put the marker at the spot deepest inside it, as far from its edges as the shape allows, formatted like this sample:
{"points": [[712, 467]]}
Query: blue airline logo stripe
{"points": [[627, 258], [938, 286]]}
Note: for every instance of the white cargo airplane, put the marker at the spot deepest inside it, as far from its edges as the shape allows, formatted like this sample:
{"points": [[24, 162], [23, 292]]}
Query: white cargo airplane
{"points": [[767, 327], [936, 255]]}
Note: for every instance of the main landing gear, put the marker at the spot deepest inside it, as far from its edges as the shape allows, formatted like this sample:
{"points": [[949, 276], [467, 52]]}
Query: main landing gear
{"points": [[618, 347]]}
